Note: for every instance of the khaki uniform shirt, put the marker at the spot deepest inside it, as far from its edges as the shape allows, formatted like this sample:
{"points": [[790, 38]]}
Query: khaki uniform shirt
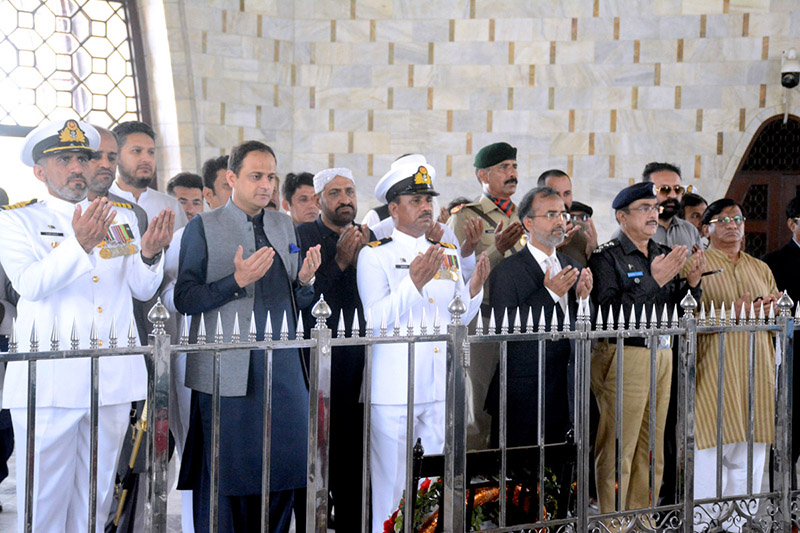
{"points": [[486, 244]]}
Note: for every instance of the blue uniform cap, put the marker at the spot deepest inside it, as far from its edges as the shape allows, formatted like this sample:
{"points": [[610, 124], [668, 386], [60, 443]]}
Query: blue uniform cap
{"points": [[637, 191]]}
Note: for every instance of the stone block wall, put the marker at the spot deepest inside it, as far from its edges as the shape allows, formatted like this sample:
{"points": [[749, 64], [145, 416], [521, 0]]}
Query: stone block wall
{"points": [[595, 87]]}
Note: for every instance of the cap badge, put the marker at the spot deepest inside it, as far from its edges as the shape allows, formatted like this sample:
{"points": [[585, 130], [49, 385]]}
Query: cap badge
{"points": [[422, 177], [72, 133]]}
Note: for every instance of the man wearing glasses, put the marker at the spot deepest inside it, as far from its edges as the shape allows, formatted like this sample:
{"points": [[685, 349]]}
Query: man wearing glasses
{"points": [[533, 280], [637, 272], [672, 230]]}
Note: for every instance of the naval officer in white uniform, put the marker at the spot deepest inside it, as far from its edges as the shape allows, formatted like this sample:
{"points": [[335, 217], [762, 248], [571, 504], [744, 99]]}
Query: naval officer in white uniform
{"points": [[74, 261], [401, 276]]}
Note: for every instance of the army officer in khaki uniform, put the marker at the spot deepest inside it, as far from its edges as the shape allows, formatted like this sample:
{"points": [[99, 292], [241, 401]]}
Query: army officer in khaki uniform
{"points": [[494, 215]]}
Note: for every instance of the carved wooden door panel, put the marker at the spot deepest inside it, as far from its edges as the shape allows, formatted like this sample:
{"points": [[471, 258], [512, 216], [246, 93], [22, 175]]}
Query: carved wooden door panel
{"points": [[767, 179]]}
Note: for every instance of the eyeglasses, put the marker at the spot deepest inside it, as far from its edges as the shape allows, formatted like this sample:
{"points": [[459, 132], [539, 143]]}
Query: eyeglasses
{"points": [[679, 189], [582, 217], [646, 209], [724, 220], [551, 216]]}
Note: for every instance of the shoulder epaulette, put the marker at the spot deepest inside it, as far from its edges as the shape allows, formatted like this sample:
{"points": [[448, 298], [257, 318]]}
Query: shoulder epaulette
{"points": [[122, 204], [606, 245], [456, 209], [375, 244], [19, 204], [443, 244]]}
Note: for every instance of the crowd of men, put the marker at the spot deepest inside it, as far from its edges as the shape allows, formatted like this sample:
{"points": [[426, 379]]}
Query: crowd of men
{"points": [[102, 245]]}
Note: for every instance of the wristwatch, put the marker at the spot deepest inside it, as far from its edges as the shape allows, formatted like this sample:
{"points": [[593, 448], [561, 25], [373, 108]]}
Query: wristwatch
{"points": [[152, 261]]}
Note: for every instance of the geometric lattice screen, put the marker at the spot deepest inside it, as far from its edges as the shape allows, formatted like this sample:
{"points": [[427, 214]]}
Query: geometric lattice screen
{"points": [[59, 58]]}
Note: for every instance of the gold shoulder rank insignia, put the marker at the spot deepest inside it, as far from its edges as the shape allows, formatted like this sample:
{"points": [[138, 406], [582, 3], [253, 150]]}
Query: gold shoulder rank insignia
{"points": [[456, 209], [375, 244], [122, 204], [19, 204], [443, 244]]}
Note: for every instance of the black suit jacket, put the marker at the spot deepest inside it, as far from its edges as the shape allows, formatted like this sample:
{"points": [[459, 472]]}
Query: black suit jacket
{"points": [[783, 264], [518, 284]]}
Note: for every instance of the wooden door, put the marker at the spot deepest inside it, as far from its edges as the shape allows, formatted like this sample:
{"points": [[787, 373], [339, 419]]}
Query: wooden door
{"points": [[767, 179]]}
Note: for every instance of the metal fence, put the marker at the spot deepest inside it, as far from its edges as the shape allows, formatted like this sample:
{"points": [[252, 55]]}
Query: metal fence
{"points": [[777, 509]]}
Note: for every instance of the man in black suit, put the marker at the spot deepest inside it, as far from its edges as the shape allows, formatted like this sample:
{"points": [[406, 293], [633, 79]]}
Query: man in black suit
{"points": [[341, 241], [537, 278], [783, 264]]}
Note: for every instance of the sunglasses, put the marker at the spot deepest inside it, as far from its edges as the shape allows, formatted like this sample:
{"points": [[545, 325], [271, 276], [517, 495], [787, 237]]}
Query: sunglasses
{"points": [[580, 217], [679, 189]]}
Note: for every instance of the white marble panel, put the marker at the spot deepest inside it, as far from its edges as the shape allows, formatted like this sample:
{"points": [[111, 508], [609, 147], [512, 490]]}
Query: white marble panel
{"points": [[631, 27], [531, 53], [308, 30], [451, 98], [351, 119], [607, 98], [432, 29], [656, 97], [658, 51], [613, 52], [557, 29], [352, 31], [393, 30], [391, 120], [518, 30], [470, 30], [717, 25], [442, 9], [573, 98], [374, 9], [367, 142], [596, 29], [471, 53], [571, 52], [542, 122], [413, 98], [510, 121]]}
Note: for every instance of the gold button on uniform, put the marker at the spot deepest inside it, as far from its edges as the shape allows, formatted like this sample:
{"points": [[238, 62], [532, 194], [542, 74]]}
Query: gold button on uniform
{"points": [[99, 309], [430, 300], [100, 343], [95, 279], [436, 350]]}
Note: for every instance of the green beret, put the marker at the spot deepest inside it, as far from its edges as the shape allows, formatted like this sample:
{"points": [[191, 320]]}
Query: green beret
{"points": [[494, 153]]}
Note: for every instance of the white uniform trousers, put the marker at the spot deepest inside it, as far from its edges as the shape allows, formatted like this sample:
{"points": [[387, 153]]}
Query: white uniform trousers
{"points": [[734, 481], [61, 465], [388, 451]]}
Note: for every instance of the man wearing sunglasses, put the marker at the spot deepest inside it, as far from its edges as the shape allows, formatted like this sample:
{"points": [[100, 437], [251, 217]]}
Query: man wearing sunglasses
{"points": [[672, 230]]}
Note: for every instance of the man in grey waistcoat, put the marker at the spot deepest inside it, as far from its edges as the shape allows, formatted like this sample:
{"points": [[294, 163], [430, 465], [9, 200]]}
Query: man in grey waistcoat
{"points": [[240, 260]]}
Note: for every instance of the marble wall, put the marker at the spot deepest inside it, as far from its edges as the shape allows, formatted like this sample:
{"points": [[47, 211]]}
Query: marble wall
{"points": [[595, 87]]}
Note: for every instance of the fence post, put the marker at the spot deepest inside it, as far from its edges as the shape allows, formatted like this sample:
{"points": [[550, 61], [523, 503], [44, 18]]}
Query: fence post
{"points": [[455, 437], [583, 351], [688, 370], [783, 414], [319, 401], [158, 422]]}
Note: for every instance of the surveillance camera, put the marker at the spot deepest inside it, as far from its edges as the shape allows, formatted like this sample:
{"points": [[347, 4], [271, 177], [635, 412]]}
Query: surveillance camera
{"points": [[790, 69]]}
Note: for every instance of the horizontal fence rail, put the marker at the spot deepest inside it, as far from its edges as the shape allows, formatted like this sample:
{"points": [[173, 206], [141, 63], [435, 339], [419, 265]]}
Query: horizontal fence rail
{"points": [[465, 474]]}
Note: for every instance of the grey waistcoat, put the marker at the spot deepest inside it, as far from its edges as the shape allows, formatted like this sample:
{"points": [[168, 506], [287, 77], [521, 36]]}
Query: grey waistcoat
{"points": [[227, 228]]}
